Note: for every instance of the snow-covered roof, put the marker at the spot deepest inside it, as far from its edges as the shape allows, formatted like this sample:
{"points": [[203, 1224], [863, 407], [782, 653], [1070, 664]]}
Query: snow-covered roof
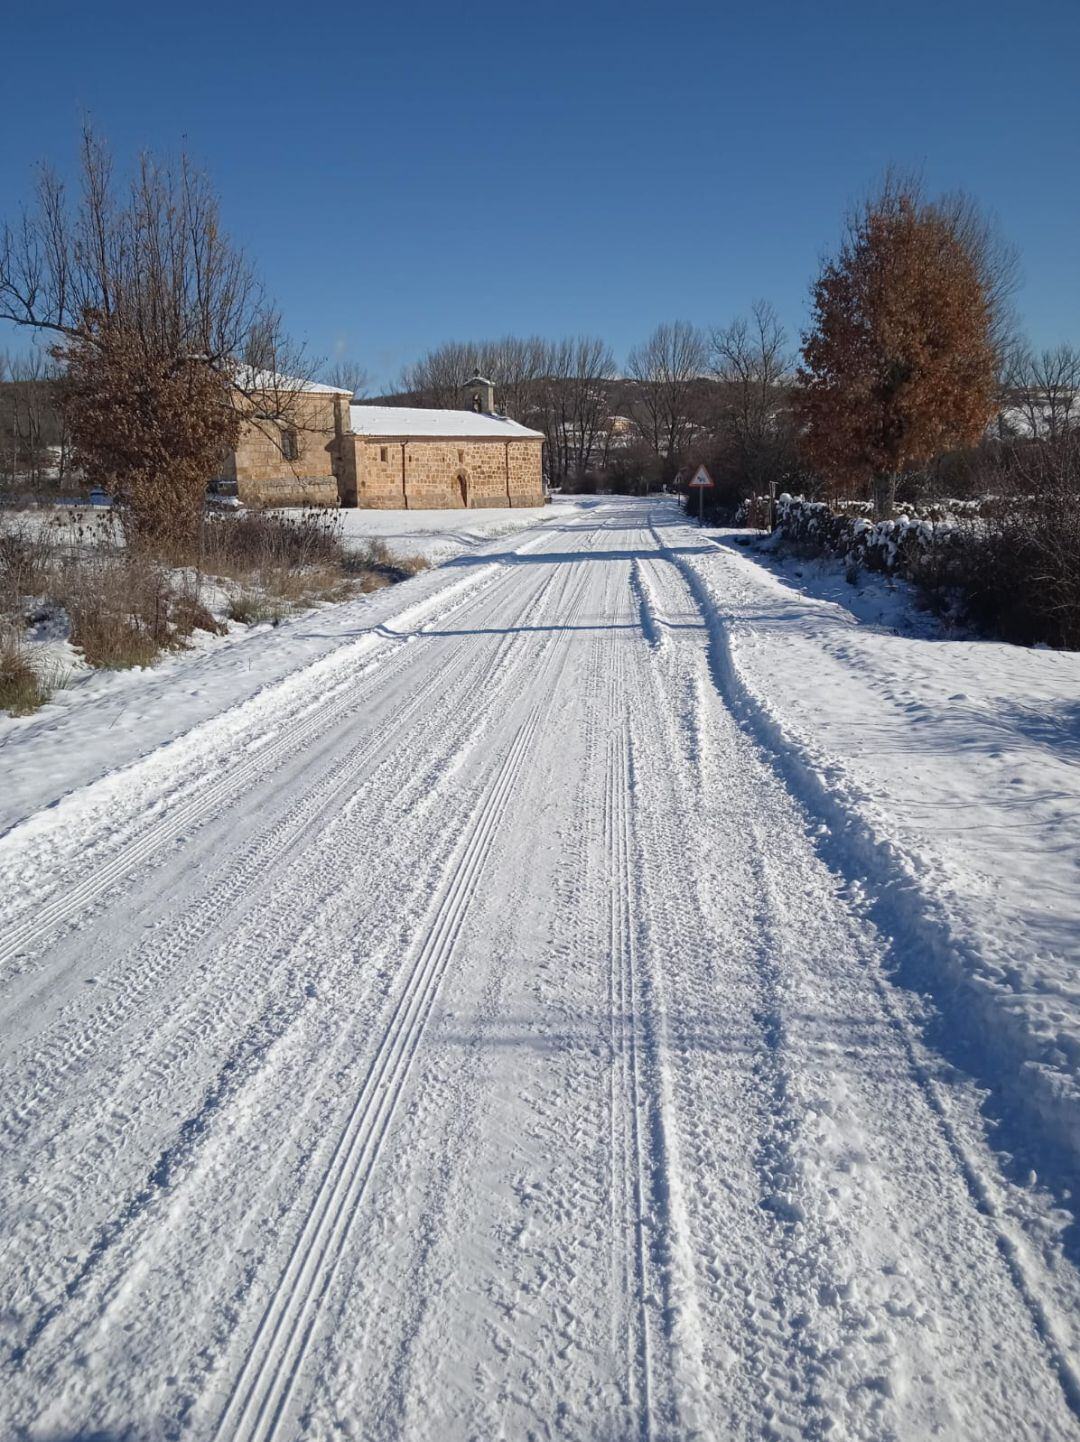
{"points": [[405, 421], [252, 380]]}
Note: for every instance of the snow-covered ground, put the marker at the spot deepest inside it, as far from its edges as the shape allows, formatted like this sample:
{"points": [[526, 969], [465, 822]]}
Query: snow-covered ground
{"points": [[440, 535], [98, 719], [948, 772], [561, 996]]}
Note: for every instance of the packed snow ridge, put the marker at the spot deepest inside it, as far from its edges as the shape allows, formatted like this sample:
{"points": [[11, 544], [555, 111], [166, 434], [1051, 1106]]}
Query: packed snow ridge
{"points": [[614, 984]]}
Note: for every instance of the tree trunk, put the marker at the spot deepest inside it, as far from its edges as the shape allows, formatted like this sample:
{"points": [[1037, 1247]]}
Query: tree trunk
{"points": [[885, 495]]}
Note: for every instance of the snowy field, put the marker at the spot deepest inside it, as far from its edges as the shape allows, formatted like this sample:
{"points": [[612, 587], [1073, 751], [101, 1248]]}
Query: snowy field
{"points": [[606, 987], [440, 535]]}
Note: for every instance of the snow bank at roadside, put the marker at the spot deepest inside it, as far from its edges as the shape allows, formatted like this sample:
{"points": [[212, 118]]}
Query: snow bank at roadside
{"points": [[945, 775]]}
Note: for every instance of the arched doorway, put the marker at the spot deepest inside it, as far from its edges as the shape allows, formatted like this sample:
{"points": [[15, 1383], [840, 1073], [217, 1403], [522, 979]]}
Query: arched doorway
{"points": [[463, 488]]}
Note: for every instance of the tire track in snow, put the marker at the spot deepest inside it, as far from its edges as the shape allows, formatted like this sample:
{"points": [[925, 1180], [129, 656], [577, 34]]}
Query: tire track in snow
{"points": [[796, 1349], [153, 1078], [629, 1161], [662, 1365], [547, 1294], [678, 1388], [428, 1246], [277, 931], [260, 1397], [777, 1159], [41, 1074], [705, 1009], [295, 727], [38, 1074]]}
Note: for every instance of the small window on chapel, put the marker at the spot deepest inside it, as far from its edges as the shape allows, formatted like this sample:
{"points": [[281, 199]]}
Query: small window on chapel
{"points": [[383, 453], [460, 456], [290, 445]]}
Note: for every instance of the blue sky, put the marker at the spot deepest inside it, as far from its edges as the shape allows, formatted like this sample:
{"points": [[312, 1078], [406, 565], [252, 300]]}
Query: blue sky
{"points": [[405, 174]]}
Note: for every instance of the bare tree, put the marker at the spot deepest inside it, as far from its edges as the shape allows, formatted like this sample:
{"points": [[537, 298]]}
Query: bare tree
{"points": [[152, 312], [513, 363], [350, 375], [1044, 388], [667, 369], [30, 426], [438, 377], [751, 359], [561, 387], [573, 402]]}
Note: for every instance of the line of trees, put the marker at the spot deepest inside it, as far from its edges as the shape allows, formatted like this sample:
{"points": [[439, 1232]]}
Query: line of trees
{"points": [[33, 432], [909, 358], [161, 342], [686, 394]]}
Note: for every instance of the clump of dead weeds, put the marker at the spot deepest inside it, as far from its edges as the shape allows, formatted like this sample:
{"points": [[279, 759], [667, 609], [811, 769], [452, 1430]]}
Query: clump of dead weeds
{"points": [[189, 614], [27, 553], [21, 686], [241, 544], [280, 561], [293, 560], [256, 608], [122, 603], [373, 565]]}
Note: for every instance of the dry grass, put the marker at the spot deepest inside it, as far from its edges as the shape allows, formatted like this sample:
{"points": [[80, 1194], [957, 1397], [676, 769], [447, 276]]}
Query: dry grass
{"points": [[127, 605], [255, 608], [21, 686], [294, 561], [281, 562], [368, 581], [125, 610], [188, 614], [375, 564], [241, 544], [118, 609], [26, 682], [309, 585], [26, 557]]}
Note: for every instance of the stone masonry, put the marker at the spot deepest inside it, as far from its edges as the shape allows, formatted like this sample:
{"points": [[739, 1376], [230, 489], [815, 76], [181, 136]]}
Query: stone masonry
{"points": [[432, 473], [293, 464], [331, 453]]}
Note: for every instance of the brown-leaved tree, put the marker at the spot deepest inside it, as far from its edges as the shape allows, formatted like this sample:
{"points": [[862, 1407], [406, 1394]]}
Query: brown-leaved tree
{"points": [[157, 319], [901, 359]]}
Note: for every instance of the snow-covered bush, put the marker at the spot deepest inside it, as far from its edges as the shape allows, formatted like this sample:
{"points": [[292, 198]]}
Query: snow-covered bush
{"points": [[753, 512], [1010, 562], [897, 545]]}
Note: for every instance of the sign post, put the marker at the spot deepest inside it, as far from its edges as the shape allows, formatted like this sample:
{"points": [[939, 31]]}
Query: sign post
{"points": [[701, 483]]}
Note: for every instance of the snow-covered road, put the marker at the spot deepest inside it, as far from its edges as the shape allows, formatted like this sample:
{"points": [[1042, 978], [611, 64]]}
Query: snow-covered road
{"points": [[469, 1035]]}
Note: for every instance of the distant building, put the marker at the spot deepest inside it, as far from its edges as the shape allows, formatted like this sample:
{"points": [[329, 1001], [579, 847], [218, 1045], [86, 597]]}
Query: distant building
{"points": [[428, 460], [388, 457], [292, 463]]}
